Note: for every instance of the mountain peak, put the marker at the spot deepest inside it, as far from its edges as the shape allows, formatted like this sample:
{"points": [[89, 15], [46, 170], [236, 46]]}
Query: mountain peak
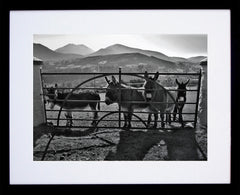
{"points": [[71, 48], [44, 53], [117, 45]]}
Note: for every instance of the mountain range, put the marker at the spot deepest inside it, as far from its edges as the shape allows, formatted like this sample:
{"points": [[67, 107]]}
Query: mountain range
{"points": [[120, 49], [76, 53]]}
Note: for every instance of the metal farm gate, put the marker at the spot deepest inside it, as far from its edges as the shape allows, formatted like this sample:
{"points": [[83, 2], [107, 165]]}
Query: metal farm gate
{"points": [[110, 116]]}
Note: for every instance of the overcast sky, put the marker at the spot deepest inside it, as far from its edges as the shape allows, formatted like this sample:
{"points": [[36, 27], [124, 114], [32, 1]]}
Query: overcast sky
{"points": [[171, 45]]}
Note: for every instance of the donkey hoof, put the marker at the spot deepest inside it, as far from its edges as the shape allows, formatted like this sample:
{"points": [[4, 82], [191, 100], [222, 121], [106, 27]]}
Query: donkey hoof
{"points": [[152, 126], [148, 126]]}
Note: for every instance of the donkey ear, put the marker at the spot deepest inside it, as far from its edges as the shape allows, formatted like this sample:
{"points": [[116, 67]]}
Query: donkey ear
{"points": [[146, 74], [56, 85], [107, 80], [156, 76], [177, 82], [114, 80], [187, 82]]}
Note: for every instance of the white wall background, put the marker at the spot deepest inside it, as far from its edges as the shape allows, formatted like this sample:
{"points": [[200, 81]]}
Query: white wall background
{"points": [[24, 24]]}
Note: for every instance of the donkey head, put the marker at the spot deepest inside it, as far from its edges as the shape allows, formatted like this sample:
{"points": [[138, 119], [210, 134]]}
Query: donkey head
{"points": [[52, 94], [150, 85], [112, 91], [181, 95]]}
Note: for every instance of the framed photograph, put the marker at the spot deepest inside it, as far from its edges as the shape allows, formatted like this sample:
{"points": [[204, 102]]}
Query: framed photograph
{"points": [[120, 97]]}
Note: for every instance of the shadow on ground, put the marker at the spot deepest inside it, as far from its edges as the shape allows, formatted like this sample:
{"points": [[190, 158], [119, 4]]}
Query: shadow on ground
{"points": [[134, 145], [130, 145]]}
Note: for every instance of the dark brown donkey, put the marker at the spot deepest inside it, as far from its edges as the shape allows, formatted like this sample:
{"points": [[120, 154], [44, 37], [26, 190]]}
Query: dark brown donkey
{"points": [[158, 97], [79, 100], [131, 98], [171, 102], [181, 100]]}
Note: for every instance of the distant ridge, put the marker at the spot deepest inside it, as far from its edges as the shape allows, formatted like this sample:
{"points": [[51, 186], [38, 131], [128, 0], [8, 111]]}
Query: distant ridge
{"points": [[131, 61], [196, 59], [75, 49], [120, 49]]}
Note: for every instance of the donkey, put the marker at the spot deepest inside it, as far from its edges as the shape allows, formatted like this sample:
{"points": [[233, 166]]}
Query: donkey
{"points": [[158, 97], [181, 100], [128, 94], [91, 98], [171, 102], [131, 98]]}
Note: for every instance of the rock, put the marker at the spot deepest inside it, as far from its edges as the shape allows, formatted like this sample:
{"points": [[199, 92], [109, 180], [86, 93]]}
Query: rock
{"points": [[157, 152], [62, 157], [189, 125], [162, 143]]}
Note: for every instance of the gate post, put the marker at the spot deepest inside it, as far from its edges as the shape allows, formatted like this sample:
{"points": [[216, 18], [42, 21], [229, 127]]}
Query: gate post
{"points": [[198, 93], [119, 105], [38, 107]]}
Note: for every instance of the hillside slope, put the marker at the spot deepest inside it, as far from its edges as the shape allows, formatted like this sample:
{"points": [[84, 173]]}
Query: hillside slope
{"points": [[46, 54], [120, 49]]}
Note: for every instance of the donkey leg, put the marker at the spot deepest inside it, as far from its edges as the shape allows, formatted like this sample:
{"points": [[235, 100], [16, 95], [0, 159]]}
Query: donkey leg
{"points": [[170, 119], [69, 122], [155, 120], [95, 117], [95, 114], [129, 119], [149, 120], [174, 113], [125, 119], [167, 117], [162, 120], [180, 117]]}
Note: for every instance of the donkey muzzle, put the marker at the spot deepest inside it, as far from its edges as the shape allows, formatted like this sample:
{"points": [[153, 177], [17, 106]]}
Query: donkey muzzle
{"points": [[181, 99], [148, 96], [51, 105], [108, 101]]}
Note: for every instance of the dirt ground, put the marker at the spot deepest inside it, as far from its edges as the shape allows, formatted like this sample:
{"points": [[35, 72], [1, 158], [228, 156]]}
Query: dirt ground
{"points": [[117, 144]]}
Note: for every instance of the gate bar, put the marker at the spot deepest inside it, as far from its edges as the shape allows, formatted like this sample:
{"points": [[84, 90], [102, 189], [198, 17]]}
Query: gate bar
{"points": [[132, 102], [139, 112], [99, 88], [133, 120], [107, 74]]}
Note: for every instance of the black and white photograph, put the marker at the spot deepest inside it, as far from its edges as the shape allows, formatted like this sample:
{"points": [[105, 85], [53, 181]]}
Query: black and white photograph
{"points": [[120, 97]]}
